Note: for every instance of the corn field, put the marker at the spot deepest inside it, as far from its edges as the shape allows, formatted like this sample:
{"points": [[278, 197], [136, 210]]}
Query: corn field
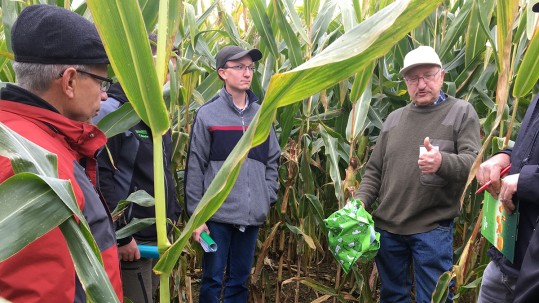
{"points": [[328, 79]]}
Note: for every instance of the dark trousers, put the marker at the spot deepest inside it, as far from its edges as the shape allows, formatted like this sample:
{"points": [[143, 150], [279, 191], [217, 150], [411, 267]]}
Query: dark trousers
{"points": [[138, 280], [227, 270], [429, 253]]}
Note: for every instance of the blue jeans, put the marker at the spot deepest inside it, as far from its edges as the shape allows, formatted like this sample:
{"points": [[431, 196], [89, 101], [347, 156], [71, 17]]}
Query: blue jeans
{"points": [[430, 253], [496, 287], [235, 253]]}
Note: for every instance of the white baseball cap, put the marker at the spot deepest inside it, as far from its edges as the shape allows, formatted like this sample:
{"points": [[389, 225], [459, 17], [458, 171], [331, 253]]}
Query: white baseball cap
{"points": [[420, 56]]}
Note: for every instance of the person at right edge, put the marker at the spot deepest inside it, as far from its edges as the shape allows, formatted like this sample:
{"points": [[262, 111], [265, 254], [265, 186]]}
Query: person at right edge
{"points": [[418, 171], [519, 187]]}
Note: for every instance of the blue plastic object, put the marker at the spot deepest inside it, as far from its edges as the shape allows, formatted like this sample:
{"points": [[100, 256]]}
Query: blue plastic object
{"points": [[148, 251]]}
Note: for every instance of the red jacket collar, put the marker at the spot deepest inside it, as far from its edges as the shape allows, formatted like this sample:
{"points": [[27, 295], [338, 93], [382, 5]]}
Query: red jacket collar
{"points": [[82, 137]]}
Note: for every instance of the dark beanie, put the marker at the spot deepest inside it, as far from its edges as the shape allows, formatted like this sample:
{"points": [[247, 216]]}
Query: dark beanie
{"points": [[49, 34]]}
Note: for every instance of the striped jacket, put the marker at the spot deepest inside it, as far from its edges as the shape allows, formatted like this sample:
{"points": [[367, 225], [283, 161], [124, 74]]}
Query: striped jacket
{"points": [[217, 128]]}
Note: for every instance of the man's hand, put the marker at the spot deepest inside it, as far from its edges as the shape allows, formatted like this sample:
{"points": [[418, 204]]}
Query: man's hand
{"points": [[490, 171], [430, 161], [508, 188], [198, 231], [129, 252]]}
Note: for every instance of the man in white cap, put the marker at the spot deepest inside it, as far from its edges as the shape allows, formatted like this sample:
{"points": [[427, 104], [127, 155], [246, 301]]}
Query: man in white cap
{"points": [[518, 188], [219, 125], [417, 172]]}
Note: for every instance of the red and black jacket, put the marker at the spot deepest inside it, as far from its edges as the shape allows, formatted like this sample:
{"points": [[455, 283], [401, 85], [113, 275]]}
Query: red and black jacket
{"points": [[43, 271]]}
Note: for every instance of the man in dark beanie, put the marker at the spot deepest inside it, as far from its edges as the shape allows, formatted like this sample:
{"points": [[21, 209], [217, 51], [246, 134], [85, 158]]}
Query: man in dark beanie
{"points": [[219, 125], [61, 69]]}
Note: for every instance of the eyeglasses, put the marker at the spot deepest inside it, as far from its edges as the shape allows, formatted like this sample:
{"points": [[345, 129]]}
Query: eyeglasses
{"points": [[241, 67], [104, 82], [427, 78]]}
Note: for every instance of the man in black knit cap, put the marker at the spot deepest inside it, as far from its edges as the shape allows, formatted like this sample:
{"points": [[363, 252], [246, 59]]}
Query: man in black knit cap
{"points": [[61, 69]]}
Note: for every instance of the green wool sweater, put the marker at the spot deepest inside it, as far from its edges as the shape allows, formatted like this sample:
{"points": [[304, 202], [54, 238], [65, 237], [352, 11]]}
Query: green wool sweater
{"points": [[411, 202]]}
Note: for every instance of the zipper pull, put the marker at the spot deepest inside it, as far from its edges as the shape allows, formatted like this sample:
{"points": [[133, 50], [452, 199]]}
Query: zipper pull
{"points": [[242, 122]]}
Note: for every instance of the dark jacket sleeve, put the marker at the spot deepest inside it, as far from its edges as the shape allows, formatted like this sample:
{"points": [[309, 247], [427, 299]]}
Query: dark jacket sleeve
{"points": [[527, 183], [107, 184], [106, 172], [107, 158], [107, 167], [527, 288]]}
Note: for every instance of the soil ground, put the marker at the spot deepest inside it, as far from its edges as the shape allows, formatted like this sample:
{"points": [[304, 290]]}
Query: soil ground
{"points": [[324, 273]]}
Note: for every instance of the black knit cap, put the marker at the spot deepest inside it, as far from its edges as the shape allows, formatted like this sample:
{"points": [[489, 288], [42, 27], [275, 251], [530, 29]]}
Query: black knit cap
{"points": [[49, 34], [233, 52], [535, 7]]}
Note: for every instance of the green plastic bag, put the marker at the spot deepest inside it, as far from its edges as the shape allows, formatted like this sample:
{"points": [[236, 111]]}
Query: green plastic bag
{"points": [[351, 235]]}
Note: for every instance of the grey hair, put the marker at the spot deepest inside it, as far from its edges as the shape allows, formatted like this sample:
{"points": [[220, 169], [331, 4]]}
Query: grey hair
{"points": [[37, 78]]}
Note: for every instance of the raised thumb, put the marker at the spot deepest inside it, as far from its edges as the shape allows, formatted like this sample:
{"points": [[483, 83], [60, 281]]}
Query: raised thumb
{"points": [[427, 144]]}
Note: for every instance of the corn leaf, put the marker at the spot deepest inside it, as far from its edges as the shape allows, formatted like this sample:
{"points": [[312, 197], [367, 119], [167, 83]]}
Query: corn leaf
{"points": [[296, 22], [134, 226], [119, 120], [293, 47], [475, 38], [528, 71], [90, 271], [122, 30], [262, 24], [331, 150], [149, 10], [35, 201]]}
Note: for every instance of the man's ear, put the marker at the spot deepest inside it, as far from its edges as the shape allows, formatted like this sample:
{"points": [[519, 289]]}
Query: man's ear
{"points": [[221, 73], [69, 82]]}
